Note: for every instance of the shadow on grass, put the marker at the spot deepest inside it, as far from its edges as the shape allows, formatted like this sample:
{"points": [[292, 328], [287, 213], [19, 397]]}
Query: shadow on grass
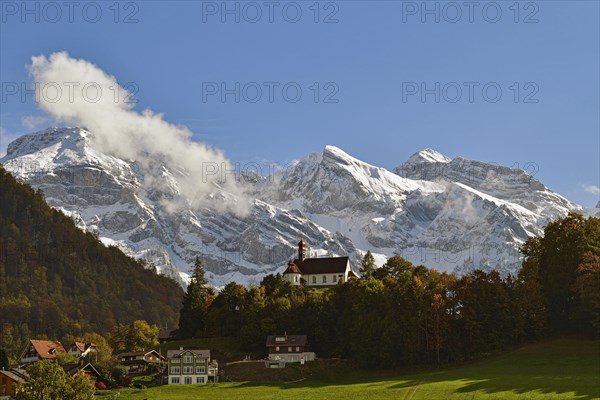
{"points": [[556, 367], [563, 366]]}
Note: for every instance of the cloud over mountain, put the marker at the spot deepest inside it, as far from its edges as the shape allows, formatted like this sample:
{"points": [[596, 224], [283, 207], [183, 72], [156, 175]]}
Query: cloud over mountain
{"points": [[77, 92]]}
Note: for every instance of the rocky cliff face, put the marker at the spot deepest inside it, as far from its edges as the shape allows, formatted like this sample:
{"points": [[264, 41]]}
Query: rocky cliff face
{"points": [[451, 214]]}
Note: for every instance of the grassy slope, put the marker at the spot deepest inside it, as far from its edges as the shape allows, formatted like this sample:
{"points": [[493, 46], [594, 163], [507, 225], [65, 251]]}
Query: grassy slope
{"points": [[551, 370]]}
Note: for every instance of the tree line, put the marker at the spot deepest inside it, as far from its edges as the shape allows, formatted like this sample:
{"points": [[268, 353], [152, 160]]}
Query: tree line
{"points": [[402, 314]]}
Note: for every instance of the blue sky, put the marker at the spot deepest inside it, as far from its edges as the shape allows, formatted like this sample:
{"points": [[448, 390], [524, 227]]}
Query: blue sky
{"points": [[379, 79]]}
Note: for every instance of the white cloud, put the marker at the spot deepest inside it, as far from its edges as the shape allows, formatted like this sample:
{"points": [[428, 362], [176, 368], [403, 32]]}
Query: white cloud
{"points": [[79, 93], [33, 121], [593, 189]]}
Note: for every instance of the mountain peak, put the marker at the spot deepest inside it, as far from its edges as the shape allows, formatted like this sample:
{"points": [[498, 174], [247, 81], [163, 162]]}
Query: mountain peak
{"points": [[36, 141], [428, 156], [338, 154]]}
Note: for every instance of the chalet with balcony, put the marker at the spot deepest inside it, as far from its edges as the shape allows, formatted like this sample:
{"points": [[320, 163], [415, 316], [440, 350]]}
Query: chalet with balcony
{"points": [[140, 361], [38, 350], [189, 367], [286, 348]]}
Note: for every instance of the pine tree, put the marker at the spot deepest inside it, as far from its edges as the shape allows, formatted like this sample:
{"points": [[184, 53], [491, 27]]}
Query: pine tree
{"points": [[4, 363], [367, 265], [195, 303]]}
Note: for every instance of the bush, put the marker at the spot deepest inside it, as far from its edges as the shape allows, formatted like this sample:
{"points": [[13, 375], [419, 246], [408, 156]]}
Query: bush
{"points": [[120, 375]]}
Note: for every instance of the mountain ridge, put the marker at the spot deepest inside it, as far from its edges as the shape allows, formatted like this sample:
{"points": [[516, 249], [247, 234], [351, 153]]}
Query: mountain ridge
{"points": [[447, 213]]}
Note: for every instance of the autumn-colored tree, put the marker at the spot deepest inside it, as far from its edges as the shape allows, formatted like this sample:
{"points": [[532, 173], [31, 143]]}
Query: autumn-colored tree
{"points": [[65, 358], [142, 336], [48, 381], [137, 336], [102, 355], [80, 387]]}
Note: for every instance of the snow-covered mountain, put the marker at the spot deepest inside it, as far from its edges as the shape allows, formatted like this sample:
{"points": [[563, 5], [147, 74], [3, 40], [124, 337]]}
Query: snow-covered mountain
{"points": [[451, 214]]}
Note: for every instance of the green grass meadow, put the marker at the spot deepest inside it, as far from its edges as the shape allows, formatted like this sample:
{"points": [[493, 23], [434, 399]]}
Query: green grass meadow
{"points": [[567, 368]]}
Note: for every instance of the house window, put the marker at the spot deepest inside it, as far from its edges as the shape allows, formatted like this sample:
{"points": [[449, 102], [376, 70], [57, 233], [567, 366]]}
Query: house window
{"points": [[314, 279], [333, 279], [200, 370], [175, 379], [200, 379], [175, 370], [187, 380], [277, 348], [188, 359], [324, 279], [176, 361], [289, 349], [297, 348], [188, 370]]}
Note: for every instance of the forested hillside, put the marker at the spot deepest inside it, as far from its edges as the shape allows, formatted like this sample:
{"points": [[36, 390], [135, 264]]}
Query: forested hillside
{"points": [[57, 280]]}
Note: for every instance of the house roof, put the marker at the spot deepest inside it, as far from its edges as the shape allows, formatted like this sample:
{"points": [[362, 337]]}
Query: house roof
{"points": [[325, 265], [138, 353], [47, 348], [352, 274], [83, 346], [20, 373], [286, 340], [180, 353], [88, 368], [13, 376], [80, 346], [292, 268], [165, 333]]}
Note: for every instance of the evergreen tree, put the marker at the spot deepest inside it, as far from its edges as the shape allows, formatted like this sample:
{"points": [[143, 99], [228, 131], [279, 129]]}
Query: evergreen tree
{"points": [[4, 364], [395, 266], [587, 285], [367, 266], [529, 291], [195, 303]]}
